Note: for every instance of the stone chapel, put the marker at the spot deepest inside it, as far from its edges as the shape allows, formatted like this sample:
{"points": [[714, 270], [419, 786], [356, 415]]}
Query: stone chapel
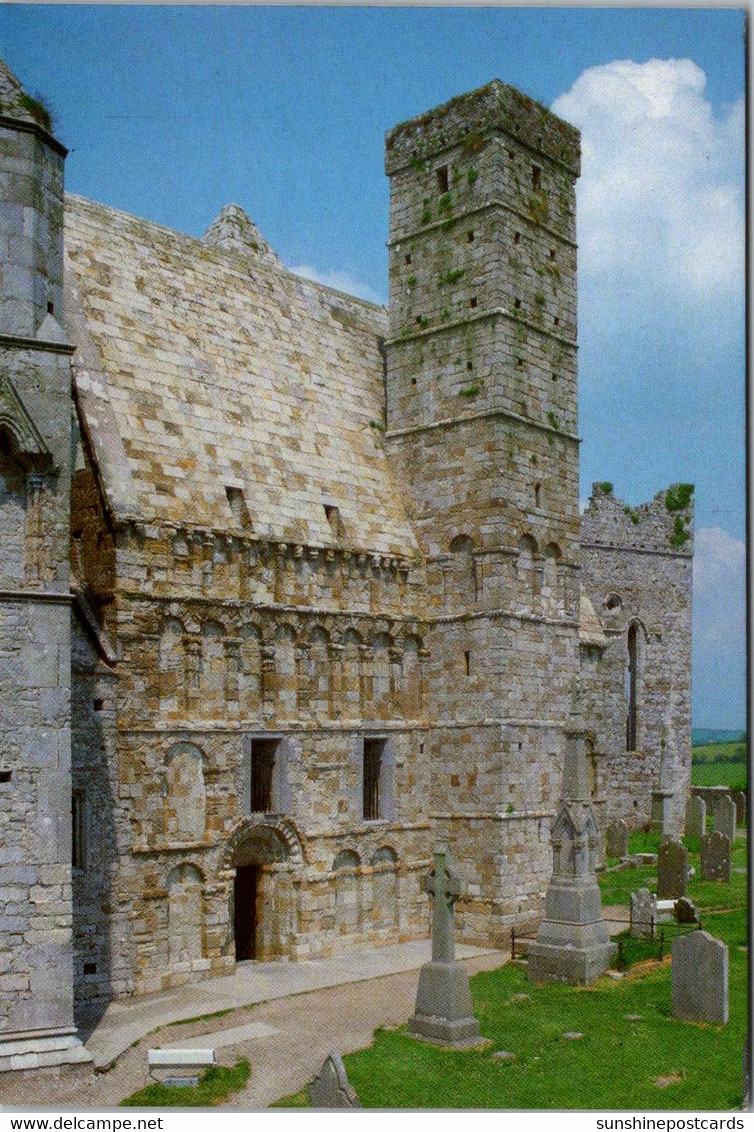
{"points": [[293, 586]]}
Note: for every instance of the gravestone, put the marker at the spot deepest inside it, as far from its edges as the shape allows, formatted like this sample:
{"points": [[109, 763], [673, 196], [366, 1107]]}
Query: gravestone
{"points": [[715, 857], [696, 815], [685, 911], [573, 944], [672, 870], [699, 979], [643, 912], [725, 817], [443, 1000], [739, 801], [331, 1087], [617, 839]]}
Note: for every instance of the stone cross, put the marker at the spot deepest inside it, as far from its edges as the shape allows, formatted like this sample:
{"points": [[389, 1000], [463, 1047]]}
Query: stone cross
{"points": [[445, 886]]}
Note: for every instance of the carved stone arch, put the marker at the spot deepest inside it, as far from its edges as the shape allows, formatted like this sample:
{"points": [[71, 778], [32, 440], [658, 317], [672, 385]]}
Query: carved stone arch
{"points": [[15, 422], [193, 626], [412, 676], [384, 855], [213, 667], [318, 644], [171, 667], [352, 643], [278, 833], [185, 908], [186, 870], [527, 545], [185, 799], [346, 859]]}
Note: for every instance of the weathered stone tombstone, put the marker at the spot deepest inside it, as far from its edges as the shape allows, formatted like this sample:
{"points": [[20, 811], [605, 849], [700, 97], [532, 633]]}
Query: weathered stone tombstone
{"points": [[643, 912], [725, 817], [715, 857], [699, 978], [696, 816], [685, 911], [739, 801], [617, 839], [672, 870], [443, 1010], [331, 1087]]}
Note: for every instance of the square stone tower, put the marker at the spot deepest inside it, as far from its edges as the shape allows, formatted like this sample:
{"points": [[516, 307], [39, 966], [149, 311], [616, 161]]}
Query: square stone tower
{"points": [[481, 423]]}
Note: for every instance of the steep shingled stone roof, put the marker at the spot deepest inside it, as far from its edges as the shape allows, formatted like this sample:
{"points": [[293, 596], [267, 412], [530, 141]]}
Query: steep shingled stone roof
{"points": [[199, 370], [16, 103]]}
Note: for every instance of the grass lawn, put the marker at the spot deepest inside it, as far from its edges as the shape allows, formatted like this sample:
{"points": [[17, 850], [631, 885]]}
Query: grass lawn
{"points": [[654, 1062], [214, 1087], [719, 764], [733, 775]]}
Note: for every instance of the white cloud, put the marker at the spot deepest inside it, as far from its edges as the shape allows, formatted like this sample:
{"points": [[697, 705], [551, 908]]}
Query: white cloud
{"points": [[661, 192], [340, 280], [719, 588]]}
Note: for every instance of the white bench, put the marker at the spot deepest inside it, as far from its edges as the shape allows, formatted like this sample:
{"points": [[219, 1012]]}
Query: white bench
{"points": [[172, 1059]]}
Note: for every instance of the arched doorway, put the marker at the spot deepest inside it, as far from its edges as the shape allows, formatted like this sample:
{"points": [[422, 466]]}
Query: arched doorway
{"points": [[266, 857]]}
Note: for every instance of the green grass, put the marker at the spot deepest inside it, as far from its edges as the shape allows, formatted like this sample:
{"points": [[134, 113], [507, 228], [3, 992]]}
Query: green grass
{"points": [[720, 764], [616, 1062], [732, 775], [215, 1086]]}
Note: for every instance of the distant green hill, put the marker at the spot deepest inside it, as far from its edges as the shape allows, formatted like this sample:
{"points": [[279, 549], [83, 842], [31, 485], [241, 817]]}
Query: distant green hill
{"points": [[700, 736]]}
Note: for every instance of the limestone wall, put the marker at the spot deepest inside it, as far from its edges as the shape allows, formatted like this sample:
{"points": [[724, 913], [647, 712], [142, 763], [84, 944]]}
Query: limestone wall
{"points": [[636, 568]]}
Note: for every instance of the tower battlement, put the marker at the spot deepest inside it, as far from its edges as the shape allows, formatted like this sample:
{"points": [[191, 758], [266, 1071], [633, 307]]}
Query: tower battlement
{"points": [[494, 108], [665, 524]]}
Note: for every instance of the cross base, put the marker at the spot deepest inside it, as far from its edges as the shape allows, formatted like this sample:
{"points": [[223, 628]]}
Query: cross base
{"points": [[443, 1006]]}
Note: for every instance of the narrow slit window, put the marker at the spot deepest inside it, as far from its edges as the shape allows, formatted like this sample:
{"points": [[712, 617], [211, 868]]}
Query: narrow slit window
{"points": [[516, 237], [373, 756], [470, 237], [408, 261], [263, 752], [536, 178], [467, 662], [332, 514], [78, 829], [443, 182], [537, 494]]}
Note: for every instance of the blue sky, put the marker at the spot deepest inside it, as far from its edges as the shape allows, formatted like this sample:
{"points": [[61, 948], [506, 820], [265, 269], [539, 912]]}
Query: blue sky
{"points": [[172, 112]]}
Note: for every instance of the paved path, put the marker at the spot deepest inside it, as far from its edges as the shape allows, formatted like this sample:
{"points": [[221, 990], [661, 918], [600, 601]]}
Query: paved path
{"points": [[285, 1038], [128, 1020]]}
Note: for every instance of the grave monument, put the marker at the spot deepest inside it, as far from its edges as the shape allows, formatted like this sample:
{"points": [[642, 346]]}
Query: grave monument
{"points": [[443, 1000]]}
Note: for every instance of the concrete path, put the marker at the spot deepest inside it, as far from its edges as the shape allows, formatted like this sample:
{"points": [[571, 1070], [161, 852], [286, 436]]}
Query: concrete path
{"points": [[285, 1039], [128, 1020]]}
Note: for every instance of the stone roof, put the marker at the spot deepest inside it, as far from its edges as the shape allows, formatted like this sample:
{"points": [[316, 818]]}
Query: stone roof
{"points": [[199, 369], [15, 103], [590, 629]]}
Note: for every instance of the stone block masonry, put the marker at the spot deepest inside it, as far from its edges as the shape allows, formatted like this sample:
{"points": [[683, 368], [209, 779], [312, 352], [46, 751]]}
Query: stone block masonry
{"points": [[305, 588], [481, 419], [636, 568]]}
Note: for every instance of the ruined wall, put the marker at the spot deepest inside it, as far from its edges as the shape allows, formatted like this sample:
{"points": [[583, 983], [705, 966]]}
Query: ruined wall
{"points": [[636, 568], [481, 423]]}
